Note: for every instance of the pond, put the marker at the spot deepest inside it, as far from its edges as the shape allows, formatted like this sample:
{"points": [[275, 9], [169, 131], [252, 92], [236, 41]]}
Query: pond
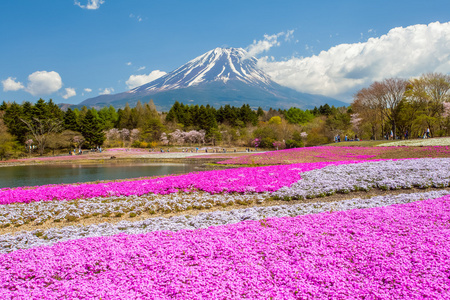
{"points": [[72, 173]]}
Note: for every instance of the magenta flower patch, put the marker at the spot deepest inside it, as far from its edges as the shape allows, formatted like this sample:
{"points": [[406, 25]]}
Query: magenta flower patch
{"points": [[241, 180]]}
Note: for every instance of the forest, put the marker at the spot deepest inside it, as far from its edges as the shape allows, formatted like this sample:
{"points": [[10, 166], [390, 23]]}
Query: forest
{"points": [[389, 109]]}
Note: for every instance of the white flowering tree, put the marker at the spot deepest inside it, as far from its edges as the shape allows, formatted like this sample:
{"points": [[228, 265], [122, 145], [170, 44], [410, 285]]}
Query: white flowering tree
{"points": [[29, 143], [112, 134], [134, 135], [194, 136], [177, 137], [163, 139], [78, 140], [355, 120], [124, 134]]}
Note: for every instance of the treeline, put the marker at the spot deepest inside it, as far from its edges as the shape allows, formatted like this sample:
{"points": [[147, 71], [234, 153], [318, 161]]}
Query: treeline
{"points": [[398, 108], [393, 108], [43, 126]]}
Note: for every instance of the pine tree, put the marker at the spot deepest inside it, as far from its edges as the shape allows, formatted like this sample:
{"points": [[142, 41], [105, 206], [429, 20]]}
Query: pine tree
{"points": [[3, 106], [54, 111], [260, 112], [16, 127], [92, 130], [125, 117], [41, 110], [71, 120]]}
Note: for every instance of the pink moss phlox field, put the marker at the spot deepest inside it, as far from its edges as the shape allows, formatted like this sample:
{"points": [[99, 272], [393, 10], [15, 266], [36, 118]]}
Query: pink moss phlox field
{"points": [[241, 180], [332, 153], [322, 152], [395, 252]]}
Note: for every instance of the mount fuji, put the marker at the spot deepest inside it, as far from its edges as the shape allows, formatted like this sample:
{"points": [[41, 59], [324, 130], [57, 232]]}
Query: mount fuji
{"points": [[219, 77]]}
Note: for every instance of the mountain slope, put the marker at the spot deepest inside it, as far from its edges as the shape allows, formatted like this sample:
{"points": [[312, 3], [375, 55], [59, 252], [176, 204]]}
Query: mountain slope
{"points": [[218, 77]]}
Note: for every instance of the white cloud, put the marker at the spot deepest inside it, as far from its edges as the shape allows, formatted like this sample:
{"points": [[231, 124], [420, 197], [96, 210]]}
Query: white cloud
{"points": [[138, 18], [70, 92], [141, 68], [289, 35], [43, 83], [106, 91], [88, 90], [91, 4], [10, 84], [268, 42], [138, 80], [345, 68], [129, 63]]}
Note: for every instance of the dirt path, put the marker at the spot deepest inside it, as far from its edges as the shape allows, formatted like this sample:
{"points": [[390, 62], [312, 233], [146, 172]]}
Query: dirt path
{"points": [[268, 202]]}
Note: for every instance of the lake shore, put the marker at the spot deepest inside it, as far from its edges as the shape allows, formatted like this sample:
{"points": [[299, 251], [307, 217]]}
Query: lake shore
{"points": [[128, 156]]}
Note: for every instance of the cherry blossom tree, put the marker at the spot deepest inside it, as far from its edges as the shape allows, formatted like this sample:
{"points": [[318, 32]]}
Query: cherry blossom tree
{"points": [[134, 135], [177, 137], [164, 140], [125, 134]]}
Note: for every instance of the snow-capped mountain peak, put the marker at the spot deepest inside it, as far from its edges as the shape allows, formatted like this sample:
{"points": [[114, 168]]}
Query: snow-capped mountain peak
{"points": [[219, 64], [218, 77]]}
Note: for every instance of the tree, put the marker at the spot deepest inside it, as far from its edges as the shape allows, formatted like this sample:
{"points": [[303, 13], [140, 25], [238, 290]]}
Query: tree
{"points": [[386, 97], [429, 92], [367, 107], [12, 118], [42, 129], [125, 120], [152, 129], [62, 140], [71, 120], [260, 112], [164, 139], [275, 120], [92, 130], [112, 136], [297, 116], [124, 134], [108, 116], [325, 110], [7, 141], [392, 92], [135, 135]]}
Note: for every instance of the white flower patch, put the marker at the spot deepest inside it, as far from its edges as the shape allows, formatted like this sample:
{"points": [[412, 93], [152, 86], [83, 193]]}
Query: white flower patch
{"points": [[387, 175], [37, 238], [38, 212], [419, 142]]}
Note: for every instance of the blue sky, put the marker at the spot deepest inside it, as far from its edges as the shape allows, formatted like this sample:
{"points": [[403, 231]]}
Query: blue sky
{"points": [[72, 50]]}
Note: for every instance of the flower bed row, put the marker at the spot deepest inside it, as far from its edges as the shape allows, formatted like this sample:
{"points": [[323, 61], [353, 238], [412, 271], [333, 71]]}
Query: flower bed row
{"points": [[396, 252], [39, 237], [332, 153], [400, 174], [386, 175], [36, 213], [241, 180]]}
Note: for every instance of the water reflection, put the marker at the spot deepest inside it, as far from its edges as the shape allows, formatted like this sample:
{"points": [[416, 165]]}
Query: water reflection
{"points": [[71, 173]]}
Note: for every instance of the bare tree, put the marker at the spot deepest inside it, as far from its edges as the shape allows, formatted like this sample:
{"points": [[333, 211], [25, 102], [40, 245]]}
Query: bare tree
{"points": [[430, 92], [41, 129], [384, 96], [367, 106]]}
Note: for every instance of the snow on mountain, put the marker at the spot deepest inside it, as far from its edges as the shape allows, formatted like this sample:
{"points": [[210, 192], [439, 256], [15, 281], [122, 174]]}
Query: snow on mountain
{"points": [[219, 77], [220, 64]]}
